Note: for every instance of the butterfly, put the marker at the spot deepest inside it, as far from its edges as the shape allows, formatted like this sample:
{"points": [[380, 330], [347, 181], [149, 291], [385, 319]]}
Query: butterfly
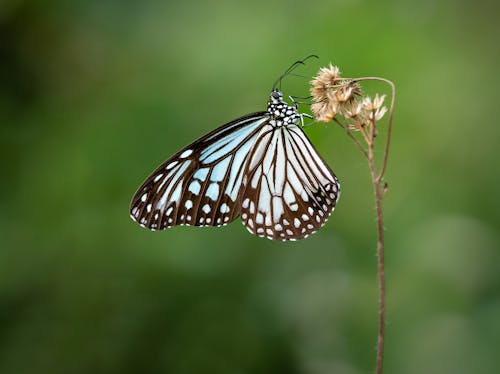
{"points": [[260, 167]]}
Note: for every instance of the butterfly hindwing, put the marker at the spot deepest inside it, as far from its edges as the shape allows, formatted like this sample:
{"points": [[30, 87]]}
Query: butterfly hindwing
{"points": [[200, 184], [290, 192]]}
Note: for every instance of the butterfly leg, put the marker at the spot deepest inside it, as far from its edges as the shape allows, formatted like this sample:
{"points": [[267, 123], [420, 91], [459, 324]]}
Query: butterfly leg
{"points": [[302, 115]]}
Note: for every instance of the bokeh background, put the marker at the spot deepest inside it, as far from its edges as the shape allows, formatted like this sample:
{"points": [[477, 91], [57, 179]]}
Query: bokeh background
{"points": [[95, 94]]}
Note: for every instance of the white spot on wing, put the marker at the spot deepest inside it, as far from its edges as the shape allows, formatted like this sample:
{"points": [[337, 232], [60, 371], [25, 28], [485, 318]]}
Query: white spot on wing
{"points": [[171, 165], [201, 174], [277, 208], [163, 201], [265, 196], [177, 193], [245, 203], [213, 191], [259, 218], [186, 153], [194, 187], [288, 194]]}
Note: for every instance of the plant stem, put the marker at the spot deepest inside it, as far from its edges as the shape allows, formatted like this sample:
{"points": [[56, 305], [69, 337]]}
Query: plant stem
{"points": [[376, 181], [381, 277], [368, 131]]}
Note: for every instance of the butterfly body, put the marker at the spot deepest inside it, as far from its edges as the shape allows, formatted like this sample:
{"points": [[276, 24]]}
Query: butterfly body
{"points": [[261, 167]]}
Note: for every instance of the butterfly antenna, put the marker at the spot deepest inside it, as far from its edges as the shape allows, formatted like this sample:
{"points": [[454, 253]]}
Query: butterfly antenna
{"points": [[291, 68]]}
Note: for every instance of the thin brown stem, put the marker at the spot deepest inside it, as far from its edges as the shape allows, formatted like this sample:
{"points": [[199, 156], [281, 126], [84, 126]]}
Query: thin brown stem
{"points": [[380, 250], [368, 132], [381, 278], [377, 181]]}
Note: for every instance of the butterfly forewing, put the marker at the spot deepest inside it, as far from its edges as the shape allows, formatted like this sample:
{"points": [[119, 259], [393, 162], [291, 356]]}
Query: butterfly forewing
{"points": [[200, 184], [290, 192]]}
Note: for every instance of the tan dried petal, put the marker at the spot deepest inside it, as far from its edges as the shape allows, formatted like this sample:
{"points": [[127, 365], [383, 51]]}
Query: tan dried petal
{"points": [[378, 101], [319, 92], [380, 113], [368, 104], [352, 110], [328, 75], [355, 125], [324, 81], [374, 104], [324, 111], [344, 93]]}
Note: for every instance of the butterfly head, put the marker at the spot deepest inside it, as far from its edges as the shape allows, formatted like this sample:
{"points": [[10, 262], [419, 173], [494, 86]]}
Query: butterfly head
{"points": [[280, 111], [276, 97]]}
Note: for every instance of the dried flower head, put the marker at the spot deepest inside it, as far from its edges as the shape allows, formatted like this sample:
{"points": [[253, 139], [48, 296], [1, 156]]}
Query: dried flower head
{"points": [[346, 91], [324, 111], [327, 76], [324, 81], [374, 104], [332, 94], [352, 110], [374, 107]]}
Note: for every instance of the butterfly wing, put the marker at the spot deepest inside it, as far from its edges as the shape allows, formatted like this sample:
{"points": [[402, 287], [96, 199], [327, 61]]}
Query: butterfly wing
{"points": [[289, 191], [199, 185]]}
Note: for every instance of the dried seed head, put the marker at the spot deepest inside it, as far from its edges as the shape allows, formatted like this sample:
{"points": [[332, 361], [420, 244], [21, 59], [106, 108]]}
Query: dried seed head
{"points": [[374, 107], [376, 103], [380, 113], [324, 81], [324, 111], [347, 91], [352, 110], [356, 125], [332, 94], [327, 76], [379, 100]]}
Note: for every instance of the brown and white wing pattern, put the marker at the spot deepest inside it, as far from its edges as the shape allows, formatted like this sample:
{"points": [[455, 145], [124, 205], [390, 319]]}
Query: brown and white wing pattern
{"points": [[289, 190], [261, 167], [199, 185]]}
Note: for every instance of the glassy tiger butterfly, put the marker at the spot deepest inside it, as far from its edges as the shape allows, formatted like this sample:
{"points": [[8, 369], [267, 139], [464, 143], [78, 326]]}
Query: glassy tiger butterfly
{"points": [[260, 167]]}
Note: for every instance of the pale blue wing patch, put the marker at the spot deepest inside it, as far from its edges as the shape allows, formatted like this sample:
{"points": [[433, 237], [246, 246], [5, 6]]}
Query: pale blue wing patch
{"points": [[200, 185]]}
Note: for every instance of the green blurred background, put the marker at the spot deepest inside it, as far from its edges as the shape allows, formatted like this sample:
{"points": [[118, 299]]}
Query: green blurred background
{"points": [[94, 94]]}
